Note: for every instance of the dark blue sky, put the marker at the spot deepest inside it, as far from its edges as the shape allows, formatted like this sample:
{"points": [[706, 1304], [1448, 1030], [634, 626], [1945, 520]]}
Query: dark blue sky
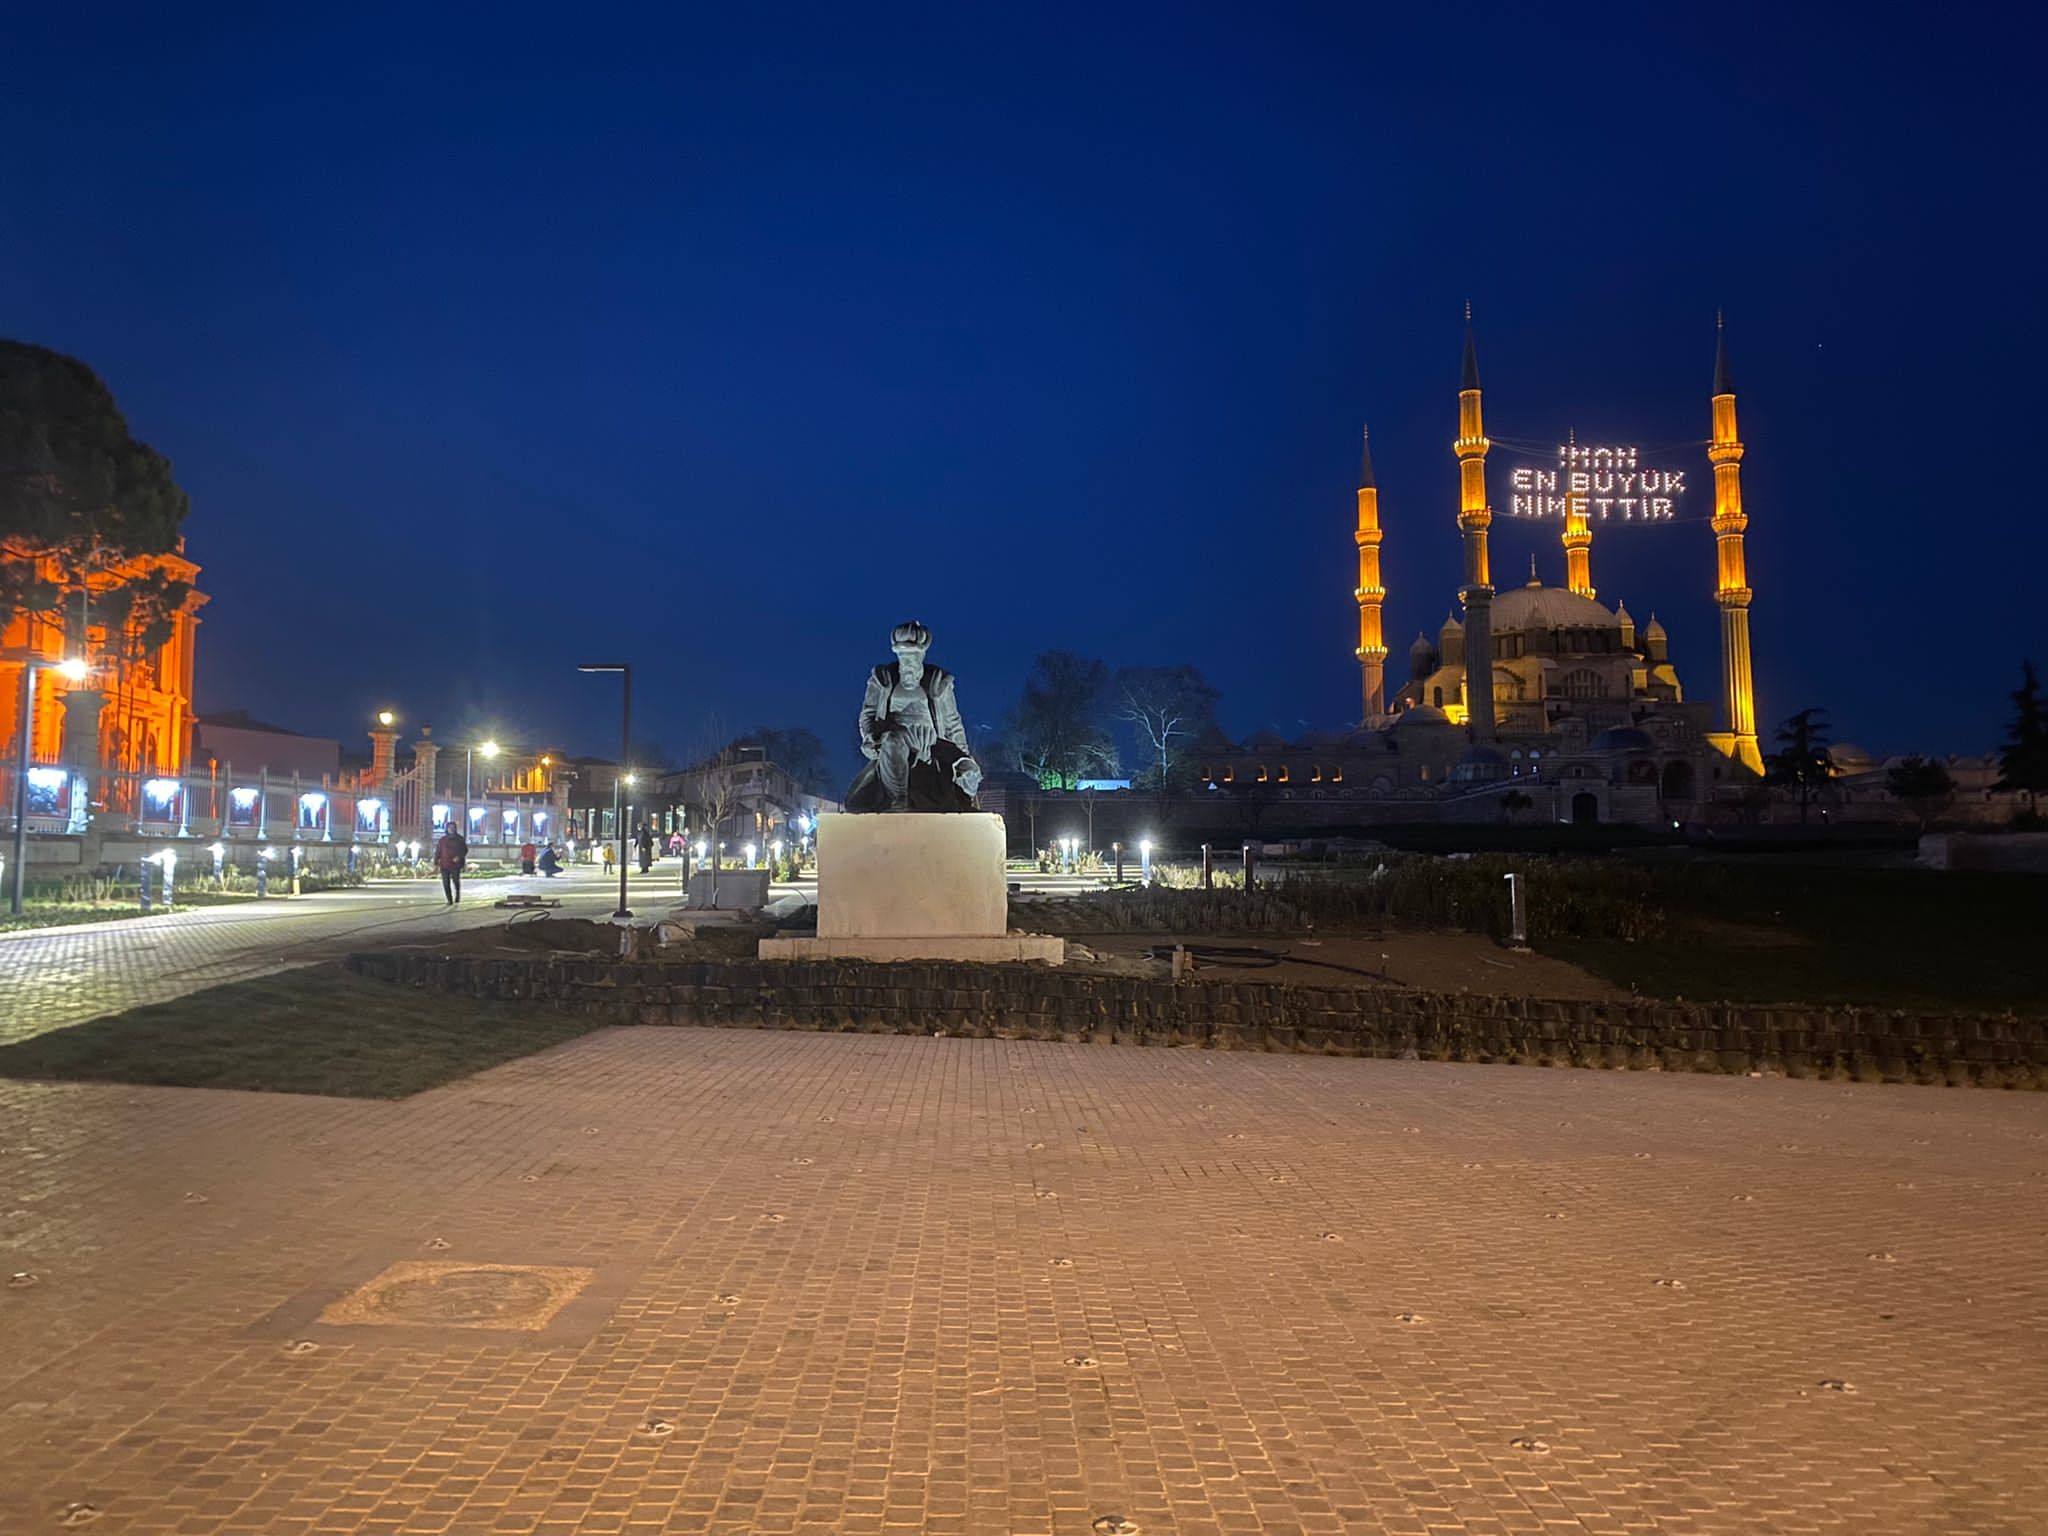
{"points": [[719, 338]]}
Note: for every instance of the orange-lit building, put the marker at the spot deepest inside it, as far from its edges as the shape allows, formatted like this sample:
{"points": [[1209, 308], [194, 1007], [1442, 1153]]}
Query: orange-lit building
{"points": [[138, 703]]}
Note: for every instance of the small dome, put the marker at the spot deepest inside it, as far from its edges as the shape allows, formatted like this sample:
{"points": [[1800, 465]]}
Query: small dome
{"points": [[1422, 714], [1654, 630], [1850, 758], [1451, 627], [1266, 741], [1623, 738], [1421, 647]]}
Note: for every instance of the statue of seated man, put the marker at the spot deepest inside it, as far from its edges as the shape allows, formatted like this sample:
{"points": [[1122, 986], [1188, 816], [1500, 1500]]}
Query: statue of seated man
{"points": [[912, 735]]}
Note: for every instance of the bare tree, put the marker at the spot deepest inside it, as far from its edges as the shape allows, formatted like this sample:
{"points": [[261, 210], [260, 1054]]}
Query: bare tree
{"points": [[1165, 706]]}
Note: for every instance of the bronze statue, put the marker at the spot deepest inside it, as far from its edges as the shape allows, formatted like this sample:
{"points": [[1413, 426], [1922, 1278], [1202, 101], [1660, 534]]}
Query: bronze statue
{"points": [[912, 735]]}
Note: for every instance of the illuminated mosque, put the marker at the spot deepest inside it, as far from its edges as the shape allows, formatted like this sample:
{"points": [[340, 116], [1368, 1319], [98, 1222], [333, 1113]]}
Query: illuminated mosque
{"points": [[1580, 714]]}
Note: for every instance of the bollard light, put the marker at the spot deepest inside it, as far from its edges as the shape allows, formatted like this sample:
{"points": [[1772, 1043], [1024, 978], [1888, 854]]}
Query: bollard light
{"points": [[1145, 861], [750, 855], [1518, 915]]}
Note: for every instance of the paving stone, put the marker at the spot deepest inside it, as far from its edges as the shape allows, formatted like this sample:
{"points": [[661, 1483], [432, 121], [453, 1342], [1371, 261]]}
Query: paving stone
{"points": [[893, 1355]]}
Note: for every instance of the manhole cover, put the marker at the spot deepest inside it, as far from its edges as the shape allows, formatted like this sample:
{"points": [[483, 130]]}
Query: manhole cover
{"points": [[421, 1293]]}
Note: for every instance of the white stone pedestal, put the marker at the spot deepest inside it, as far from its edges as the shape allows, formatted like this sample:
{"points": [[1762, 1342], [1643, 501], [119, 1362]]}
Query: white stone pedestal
{"points": [[913, 887]]}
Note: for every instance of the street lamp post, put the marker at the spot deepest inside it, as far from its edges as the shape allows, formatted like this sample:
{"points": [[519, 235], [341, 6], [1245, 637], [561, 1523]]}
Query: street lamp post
{"points": [[489, 750], [625, 672], [74, 669]]}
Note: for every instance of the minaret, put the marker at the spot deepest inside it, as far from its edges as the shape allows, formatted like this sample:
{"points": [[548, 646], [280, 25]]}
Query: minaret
{"points": [[1473, 520], [1732, 588], [1372, 649], [1578, 536]]}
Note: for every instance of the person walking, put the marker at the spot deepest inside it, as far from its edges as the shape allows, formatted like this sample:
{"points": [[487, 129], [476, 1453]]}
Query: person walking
{"points": [[451, 854], [645, 843]]}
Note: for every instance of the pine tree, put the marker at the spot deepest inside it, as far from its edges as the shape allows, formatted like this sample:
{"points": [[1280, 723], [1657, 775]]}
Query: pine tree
{"points": [[2023, 764]]}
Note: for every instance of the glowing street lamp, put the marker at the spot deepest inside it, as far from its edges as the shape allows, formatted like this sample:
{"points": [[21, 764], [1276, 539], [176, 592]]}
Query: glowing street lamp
{"points": [[489, 750], [73, 669], [386, 718]]}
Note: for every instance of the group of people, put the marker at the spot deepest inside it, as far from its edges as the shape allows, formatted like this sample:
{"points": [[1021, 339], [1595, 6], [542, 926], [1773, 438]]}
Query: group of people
{"points": [[545, 859], [647, 844], [451, 858]]}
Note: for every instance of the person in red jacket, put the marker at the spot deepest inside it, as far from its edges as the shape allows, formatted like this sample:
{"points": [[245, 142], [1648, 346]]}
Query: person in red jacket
{"points": [[527, 854], [451, 853]]}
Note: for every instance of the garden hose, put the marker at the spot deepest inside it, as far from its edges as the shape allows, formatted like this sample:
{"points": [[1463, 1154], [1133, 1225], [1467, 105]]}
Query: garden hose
{"points": [[1255, 957]]}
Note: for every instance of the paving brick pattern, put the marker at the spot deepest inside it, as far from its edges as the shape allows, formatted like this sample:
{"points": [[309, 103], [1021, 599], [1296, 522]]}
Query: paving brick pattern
{"points": [[882, 1284], [55, 977]]}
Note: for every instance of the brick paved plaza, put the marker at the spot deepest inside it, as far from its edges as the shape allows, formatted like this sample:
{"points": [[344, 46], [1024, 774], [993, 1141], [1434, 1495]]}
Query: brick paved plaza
{"points": [[53, 977], [844, 1283]]}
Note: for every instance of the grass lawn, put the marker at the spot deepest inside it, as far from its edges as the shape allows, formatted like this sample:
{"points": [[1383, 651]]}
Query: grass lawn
{"points": [[1790, 933], [316, 1030]]}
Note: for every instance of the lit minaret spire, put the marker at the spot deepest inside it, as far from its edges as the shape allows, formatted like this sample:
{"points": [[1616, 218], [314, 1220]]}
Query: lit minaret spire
{"points": [[1372, 650], [1578, 535], [1474, 518], [1732, 589]]}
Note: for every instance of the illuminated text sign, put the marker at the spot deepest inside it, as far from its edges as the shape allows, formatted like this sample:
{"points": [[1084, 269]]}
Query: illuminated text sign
{"points": [[1603, 482]]}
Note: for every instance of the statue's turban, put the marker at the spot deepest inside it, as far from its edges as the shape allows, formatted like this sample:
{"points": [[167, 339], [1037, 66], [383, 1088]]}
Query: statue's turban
{"points": [[910, 633]]}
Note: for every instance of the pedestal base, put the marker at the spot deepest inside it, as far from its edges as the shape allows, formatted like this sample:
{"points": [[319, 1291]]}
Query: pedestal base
{"points": [[986, 951], [913, 887]]}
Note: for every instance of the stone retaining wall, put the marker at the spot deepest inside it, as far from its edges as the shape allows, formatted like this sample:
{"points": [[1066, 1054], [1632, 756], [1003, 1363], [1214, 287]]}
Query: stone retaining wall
{"points": [[1036, 1003]]}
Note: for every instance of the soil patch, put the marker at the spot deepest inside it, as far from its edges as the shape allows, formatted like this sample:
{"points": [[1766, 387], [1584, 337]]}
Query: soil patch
{"points": [[1436, 962]]}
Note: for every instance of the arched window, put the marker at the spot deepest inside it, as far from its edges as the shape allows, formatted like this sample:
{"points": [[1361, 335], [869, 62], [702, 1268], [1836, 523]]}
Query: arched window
{"points": [[1584, 683], [1439, 699]]}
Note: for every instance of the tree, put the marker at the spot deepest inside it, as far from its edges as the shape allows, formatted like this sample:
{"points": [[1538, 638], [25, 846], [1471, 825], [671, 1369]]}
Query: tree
{"points": [[1165, 706], [1802, 760], [2023, 762], [1514, 800], [1925, 786], [1056, 731], [796, 750], [79, 497]]}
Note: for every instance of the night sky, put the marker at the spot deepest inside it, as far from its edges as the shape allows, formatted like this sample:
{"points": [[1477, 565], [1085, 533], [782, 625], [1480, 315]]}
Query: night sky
{"points": [[719, 341]]}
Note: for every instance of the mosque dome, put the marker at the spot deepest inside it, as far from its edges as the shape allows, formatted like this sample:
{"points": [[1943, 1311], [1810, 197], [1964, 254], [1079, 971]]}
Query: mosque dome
{"points": [[1623, 738], [1540, 607], [1266, 741], [1451, 627], [1653, 630], [1850, 758], [1422, 714]]}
